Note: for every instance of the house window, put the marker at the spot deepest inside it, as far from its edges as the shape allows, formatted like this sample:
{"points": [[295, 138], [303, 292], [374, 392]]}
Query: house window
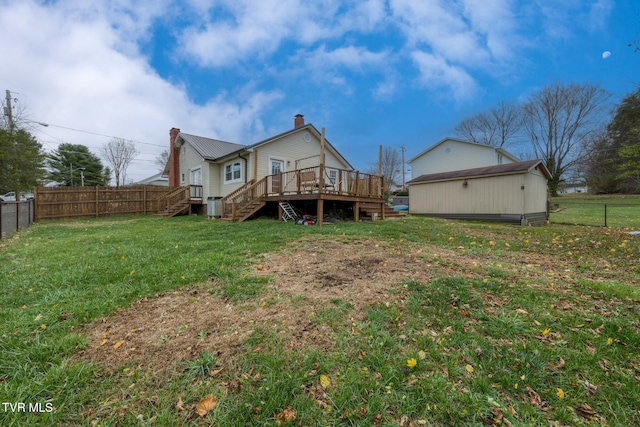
{"points": [[333, 176], [181, 177], [196, 177], [499, 159], [232, 172]]}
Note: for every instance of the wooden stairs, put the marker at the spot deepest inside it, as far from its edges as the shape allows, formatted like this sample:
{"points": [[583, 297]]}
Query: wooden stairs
{"points": [[173, 210], [368, 209], [175, 202], [246, 211]]}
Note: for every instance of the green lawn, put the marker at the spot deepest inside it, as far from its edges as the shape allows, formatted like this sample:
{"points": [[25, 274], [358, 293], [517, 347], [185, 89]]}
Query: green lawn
{"points": [[471, 324], [620, 211]]}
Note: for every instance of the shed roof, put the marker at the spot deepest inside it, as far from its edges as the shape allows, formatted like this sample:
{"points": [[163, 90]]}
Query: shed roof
{"points": [[505, 169]]}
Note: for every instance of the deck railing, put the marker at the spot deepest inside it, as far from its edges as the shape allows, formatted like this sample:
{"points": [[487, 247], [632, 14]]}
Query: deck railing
{"points": [[185, 193], [312, 180]]}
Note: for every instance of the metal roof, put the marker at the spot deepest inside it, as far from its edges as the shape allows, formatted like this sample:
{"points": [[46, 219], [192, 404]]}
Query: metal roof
{"points": [[506, 169], [211, 149]]}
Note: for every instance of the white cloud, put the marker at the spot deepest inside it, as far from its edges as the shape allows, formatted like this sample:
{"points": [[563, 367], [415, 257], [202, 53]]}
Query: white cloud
{"points": [[231, 31], [436, 74], [73, 67], [441, 28], [600, 13]]}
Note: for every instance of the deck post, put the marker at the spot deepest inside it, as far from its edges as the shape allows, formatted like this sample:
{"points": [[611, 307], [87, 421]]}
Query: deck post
{"points": [[280, 212], [320, 211], [356, 211], [321, 181]]}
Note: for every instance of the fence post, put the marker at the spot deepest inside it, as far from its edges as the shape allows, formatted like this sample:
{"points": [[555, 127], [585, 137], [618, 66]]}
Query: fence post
{"points": [[605, 214], [1, 220]]}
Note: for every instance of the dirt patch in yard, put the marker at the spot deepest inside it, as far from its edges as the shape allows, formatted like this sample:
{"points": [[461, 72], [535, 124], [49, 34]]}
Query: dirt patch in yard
{"points": [[306, 277]]}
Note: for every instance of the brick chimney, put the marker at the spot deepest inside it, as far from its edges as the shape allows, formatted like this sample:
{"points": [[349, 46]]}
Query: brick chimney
{"points": [[174, 159], [298, 121]]}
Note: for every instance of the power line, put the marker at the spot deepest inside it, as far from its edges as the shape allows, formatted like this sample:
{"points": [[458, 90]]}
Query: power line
{"points": [[94, 133]]}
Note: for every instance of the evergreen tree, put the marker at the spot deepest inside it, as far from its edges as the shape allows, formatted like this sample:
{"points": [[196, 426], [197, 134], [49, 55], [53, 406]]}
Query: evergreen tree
{"points": [[21, 161], [70, 161]]}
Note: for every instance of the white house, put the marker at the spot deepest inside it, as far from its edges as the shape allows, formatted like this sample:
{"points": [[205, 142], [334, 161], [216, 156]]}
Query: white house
{"points": [[454, 154], [161, 179]]}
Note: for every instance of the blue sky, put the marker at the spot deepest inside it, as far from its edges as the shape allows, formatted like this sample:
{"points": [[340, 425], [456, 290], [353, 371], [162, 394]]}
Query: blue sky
{"points": [[377, 72]]}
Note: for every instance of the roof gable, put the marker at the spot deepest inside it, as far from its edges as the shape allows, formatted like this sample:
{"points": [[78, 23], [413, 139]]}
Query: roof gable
{"points": [[214, 149], [505, 169], [474, 144]]}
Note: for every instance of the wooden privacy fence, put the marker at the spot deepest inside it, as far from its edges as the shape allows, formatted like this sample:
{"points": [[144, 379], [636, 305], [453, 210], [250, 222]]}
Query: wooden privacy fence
{"points": [[87, 202]]}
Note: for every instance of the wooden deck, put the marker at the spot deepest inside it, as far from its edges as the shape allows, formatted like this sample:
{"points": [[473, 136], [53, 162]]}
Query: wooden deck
{"points": [[318, 183]]}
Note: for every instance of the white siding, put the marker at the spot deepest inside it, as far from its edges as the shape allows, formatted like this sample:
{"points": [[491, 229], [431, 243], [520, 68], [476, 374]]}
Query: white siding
{"points": [[536, 192], [489, 195], [296, 154], [453, 155], [190, 160]]}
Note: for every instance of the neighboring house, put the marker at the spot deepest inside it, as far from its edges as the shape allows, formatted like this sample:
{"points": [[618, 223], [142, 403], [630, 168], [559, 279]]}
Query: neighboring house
{"points": [[512, 192], [285, 167], [160, 179], [573, 187], [453, 154]]}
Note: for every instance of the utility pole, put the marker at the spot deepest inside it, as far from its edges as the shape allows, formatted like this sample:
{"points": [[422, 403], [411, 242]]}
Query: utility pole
{"points": [[402, 167], [8, 112]]}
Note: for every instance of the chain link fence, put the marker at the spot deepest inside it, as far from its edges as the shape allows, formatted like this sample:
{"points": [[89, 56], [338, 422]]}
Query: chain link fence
{"points": [[621, 215], [15, 216]]}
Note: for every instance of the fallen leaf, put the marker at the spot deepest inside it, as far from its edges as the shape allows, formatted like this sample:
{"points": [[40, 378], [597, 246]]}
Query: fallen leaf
{"points": [[286, 416], [535, 400], [377, 419], [325, 381], [560, 393], [205, 405], [213, 373], [38, 317], [118, 344], [469, 369], [180, 405], [591, 388], [585, 411]]}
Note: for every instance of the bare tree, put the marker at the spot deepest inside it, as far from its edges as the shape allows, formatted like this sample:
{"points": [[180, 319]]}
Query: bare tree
{"points": [[391, 167], [162, 160], [559, 120], [497, 127], [119, 153]]}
